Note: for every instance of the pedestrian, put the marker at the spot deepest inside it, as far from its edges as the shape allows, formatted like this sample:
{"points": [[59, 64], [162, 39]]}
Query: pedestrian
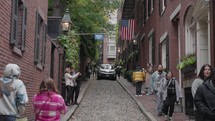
{"points": [[13, 94], [118, 71], [138, 77], [204, 100], [48, 104], [76, 87], [88, 70], [144, 83], [69, 79], [170, 90], [204, 74], [149, 72], [156, 78]]}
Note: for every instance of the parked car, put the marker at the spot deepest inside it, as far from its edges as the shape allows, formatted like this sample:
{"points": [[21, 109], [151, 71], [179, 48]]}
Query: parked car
{"points": [[106, 71]]}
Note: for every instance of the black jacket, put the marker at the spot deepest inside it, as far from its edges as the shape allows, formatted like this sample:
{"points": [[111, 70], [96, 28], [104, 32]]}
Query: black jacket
{"points": [[204, 101]]}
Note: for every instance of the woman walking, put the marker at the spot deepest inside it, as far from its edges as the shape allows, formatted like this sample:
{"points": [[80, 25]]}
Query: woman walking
{"points": [[170, 90], [75, 88], [138, 77], [204, 75], [48, 104], [70, 84]]}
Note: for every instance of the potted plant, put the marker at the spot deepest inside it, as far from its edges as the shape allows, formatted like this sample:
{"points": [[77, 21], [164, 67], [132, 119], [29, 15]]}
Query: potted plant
{"points": [[188, 61]]}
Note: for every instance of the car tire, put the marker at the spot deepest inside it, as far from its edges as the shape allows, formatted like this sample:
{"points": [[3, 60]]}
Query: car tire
{"points": [[98, 78]]}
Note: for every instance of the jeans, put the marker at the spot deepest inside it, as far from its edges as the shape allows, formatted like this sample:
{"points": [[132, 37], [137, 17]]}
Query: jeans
{"points": [[169, 104], [7, 118], [139, 87], [159, 103], [68, 94]]}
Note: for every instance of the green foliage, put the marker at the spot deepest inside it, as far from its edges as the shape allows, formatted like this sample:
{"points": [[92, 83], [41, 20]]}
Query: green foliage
{"points": [[187, 60], [88, 16], [71, 44]]}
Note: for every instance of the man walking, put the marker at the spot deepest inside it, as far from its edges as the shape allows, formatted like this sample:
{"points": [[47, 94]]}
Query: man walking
{"points": [[156, 78]]}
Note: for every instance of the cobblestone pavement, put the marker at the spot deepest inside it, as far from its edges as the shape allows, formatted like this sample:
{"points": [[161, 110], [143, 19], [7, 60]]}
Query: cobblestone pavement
{"points": [[107, 101]]}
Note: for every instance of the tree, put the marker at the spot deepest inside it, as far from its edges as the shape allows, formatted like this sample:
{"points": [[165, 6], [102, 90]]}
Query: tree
{"points": [[88, 16]]}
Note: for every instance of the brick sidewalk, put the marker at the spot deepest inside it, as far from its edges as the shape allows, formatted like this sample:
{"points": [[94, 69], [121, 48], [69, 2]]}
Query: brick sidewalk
{"points": [[149, 103]]}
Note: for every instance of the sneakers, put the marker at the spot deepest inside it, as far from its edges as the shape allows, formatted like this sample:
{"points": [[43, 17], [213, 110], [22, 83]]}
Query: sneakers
{"points": [[141, 95], [170, 118], [159, 114], [166, 118], [136, 95]]}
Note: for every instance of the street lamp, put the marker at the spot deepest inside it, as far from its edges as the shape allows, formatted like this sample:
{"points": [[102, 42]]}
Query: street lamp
{"points": [[118, 50], [135, 42], [66, 21]]}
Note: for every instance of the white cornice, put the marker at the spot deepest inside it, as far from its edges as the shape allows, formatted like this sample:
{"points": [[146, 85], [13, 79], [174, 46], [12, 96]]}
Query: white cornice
{"points": [[175, 12], [200, 9], [163, 37]]}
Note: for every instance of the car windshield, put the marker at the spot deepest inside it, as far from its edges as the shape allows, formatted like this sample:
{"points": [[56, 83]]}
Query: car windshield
{"points": [[106, 66]]}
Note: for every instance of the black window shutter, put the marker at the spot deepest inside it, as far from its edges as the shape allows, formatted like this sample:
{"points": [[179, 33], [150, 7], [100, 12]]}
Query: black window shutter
{"points": [[153, 48], [24, 23], [167, 52], [14, 22], [160, 6], [37, 38], [165, 3], [153, 4], [149, 7], [44, 44], [144, 11], [160, 53]]}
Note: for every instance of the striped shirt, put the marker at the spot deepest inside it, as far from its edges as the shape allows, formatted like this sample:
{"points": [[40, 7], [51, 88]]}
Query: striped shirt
{"points": [[48, 106]]}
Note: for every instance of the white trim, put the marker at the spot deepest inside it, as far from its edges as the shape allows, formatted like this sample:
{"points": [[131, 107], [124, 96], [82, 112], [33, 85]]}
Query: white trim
{"points": [[150, 33], [143, 35], [162, 38], [175, 12]]}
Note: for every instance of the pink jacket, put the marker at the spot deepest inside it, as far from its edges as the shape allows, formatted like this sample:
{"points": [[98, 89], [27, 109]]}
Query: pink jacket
{"points": [[48, 106]]}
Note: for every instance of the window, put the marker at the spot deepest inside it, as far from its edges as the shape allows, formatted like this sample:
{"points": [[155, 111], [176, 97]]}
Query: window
{"points": [[18, 25], [190, 33], [112, 49], [152, 48], [164, 53], [150, 6], [162, 6], [40, 40], [144, 12]]}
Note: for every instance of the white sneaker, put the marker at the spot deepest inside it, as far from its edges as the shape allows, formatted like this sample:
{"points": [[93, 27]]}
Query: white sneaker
{"points": [[136, 95], [141, 95], [170, 118], [166, 118]]}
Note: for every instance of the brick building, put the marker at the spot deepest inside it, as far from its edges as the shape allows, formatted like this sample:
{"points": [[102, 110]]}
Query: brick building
{"points": [[24, 41], [167, 31]]}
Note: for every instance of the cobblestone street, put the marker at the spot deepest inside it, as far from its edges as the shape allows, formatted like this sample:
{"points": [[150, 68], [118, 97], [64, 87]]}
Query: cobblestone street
{"points": [[107, 101]]}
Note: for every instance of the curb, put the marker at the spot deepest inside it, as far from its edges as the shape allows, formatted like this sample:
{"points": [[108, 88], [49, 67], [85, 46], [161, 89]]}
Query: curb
{"points": [[71, 111], [148, 115]]}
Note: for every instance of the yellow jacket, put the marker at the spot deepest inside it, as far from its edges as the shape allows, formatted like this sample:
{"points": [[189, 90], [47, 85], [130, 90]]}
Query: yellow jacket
{"points": [[138, 76]]}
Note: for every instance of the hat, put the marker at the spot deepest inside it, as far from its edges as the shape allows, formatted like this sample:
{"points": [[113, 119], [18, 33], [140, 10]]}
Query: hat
{"points": [[12, 70]]}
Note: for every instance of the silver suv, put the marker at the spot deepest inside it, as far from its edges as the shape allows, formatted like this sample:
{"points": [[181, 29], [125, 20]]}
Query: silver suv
{"points": [[106, 71]]}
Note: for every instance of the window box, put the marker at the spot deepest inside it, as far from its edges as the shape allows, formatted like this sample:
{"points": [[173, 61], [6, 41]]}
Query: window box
{"points": [[187, 62]]}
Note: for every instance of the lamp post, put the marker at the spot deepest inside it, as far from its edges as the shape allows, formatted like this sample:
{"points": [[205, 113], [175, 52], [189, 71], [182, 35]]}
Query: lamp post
{"points": [[66, 21], [66, 26]]}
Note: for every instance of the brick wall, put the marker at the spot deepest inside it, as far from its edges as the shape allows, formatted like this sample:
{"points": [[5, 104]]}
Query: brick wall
{"points": [[161, 24], [30, 73]]}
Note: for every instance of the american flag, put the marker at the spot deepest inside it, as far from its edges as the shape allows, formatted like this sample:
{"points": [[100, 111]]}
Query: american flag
{"points": [[127, 29]]}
